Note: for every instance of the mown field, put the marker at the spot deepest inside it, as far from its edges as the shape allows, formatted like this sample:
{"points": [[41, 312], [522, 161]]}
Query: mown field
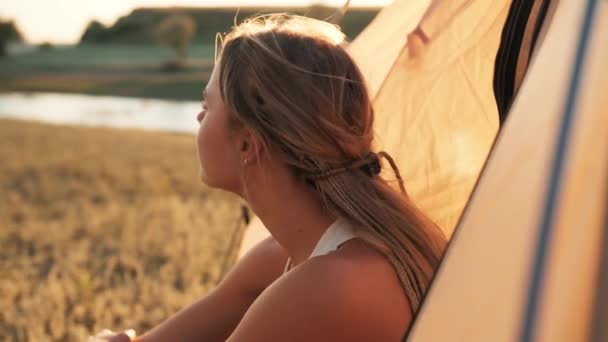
{"points": [[103, 228]]}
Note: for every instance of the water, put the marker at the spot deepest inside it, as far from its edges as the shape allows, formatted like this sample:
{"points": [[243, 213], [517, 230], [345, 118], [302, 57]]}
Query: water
{"points": [[112, 111]]}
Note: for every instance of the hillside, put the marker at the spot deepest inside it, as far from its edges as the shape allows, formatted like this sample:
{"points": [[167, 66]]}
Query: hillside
{"points": [[139, 25]]}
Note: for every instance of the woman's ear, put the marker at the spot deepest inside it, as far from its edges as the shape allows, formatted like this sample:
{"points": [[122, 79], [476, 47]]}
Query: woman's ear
{"points": [[249, 146]]}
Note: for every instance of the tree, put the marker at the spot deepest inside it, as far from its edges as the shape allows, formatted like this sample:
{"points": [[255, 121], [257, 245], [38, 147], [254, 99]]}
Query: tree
{"points": [[94, 32], [177, 31], [8, 32]]}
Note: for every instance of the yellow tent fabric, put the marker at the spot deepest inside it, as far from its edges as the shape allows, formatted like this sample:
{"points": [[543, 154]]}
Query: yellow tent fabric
{"points": [[385, 38], [525, 260], [435, 110]]}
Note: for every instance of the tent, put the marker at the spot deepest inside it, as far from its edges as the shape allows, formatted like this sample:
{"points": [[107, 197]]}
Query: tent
{"points": [[435, 109], [525, 262], [529, 258]]}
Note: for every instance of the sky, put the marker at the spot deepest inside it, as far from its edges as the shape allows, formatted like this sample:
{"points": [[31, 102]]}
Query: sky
{"points": [[63, 21]]}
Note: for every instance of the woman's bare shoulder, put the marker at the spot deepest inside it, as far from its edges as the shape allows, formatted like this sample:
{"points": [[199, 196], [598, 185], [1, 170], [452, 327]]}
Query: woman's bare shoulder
{"points": [[370, 274], [258, 268], [339, 296]]}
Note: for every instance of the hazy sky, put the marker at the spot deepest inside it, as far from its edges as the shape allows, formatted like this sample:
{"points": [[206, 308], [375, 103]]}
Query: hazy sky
{"points": [[63, 21]]}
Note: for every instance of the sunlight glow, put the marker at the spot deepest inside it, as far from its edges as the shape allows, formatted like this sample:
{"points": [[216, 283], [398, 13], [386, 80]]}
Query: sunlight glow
{"points": [[63, 21]]}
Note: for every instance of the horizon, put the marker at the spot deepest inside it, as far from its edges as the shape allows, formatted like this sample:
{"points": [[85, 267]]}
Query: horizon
{"points": [[33, 19]]}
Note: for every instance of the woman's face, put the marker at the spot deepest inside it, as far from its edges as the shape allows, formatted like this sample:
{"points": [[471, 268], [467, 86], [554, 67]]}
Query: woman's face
{"points": [[217, 143]]}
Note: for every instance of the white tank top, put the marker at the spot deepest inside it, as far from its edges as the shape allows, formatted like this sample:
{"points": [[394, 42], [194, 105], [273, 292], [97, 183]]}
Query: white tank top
{"points": [[336, 234]]}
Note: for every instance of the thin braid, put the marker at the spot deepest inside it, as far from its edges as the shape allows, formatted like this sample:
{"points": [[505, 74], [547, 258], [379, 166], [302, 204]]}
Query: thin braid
{"points": [[330, 173], [408, 281], [371, 161], [395, 169]]}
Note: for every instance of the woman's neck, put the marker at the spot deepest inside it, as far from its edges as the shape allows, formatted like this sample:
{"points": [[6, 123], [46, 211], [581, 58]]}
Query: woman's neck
{"points": [[295, 217]]}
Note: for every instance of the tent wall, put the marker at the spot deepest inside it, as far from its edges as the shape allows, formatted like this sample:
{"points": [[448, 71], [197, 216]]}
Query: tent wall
{"points": [[435, 111], [376, 48], [599, 328], [519, 268]]}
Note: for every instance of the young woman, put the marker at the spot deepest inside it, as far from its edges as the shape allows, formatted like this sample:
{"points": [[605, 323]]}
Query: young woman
{"points": [[287, 124]]}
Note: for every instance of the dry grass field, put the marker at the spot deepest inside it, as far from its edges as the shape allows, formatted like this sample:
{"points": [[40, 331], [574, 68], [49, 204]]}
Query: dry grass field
{"points": [[103, 228]]}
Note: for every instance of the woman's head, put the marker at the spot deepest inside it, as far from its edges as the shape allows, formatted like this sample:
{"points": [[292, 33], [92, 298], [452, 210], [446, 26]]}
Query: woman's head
{"points": [[285, 94], [290, 82]]}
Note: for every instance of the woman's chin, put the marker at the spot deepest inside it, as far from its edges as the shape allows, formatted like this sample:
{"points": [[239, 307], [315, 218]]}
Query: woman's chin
{"points": [[208, 181], [202, 176], [220, 182]]}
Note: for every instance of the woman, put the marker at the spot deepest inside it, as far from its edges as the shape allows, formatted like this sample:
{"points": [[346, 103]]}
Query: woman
{"points": [[286, 123]]}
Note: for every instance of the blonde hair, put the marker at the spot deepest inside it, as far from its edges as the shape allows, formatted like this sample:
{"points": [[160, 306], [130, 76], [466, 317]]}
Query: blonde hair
{"points": [[290, 79]]}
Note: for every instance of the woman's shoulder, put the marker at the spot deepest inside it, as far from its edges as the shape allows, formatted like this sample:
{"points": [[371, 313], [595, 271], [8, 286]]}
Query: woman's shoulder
{"points": [[364, 271], [347, 288], [257, 269]]}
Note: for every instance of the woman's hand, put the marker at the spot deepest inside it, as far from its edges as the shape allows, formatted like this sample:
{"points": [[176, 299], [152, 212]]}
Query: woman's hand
{"points": [[108, 335]]}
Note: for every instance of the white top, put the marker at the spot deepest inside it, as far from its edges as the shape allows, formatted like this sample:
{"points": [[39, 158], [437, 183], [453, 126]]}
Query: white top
{"points": [[336, 234]]}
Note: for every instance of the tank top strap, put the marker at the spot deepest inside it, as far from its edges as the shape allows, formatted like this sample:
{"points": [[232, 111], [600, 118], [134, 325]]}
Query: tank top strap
{"points": [[339, 232]]}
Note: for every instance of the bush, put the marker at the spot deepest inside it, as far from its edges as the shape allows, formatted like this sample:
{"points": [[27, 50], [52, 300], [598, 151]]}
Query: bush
{"points": [[46, 46]]}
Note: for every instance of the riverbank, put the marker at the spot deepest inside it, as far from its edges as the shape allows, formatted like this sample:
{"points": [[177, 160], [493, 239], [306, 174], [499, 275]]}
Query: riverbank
{"points": [[103, 228], [109, 69]]}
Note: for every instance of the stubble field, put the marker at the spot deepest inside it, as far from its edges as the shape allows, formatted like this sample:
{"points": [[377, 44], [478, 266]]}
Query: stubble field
{"points": [[104, 228]]}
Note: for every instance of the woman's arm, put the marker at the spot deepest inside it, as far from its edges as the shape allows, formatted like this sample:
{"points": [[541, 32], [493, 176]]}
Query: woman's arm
{"points": [[210, 318], [215, 316]]}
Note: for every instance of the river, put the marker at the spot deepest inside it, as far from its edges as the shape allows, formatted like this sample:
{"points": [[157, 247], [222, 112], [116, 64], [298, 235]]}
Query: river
{"points": [[93, 110]]}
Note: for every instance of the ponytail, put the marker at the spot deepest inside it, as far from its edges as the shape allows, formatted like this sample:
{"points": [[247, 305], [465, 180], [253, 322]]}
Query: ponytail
{"points": [[387, 220]]}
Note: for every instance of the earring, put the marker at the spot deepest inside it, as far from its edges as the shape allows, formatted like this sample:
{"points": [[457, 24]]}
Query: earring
{"points": [[245, 161]]}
